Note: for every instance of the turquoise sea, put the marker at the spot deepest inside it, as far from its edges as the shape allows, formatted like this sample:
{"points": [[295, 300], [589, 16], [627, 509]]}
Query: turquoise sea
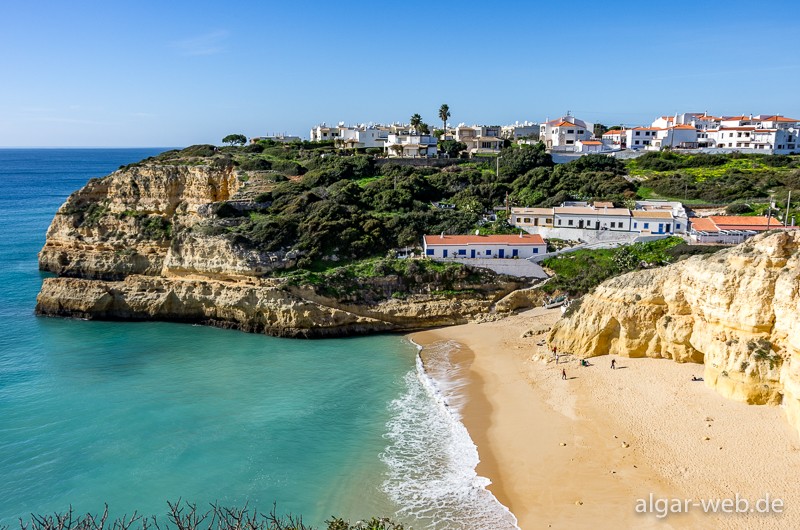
{"points": [[136, 414]]}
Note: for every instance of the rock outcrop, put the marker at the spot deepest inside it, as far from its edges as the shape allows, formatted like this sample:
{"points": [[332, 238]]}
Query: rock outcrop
{"points": [[140, 244], [735, 311]]}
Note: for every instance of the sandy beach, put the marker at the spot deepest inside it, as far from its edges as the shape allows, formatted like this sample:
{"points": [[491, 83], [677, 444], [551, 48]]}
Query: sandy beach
{"points": [[581, 452]]}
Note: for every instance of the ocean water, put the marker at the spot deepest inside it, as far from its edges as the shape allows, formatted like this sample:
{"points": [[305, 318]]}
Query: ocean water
{"points": [[136, 414]]}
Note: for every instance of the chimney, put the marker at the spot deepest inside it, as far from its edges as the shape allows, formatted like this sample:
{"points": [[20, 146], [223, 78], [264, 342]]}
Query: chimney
{"points": [[520, 234], [441, 236]]}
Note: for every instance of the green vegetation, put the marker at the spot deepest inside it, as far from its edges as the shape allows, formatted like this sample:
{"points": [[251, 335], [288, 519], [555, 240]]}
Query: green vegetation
{"points": [[377, 279], [581, 271]]}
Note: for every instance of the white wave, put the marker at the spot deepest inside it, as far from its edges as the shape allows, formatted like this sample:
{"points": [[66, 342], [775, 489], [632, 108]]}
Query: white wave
{"points": [[431, 457]]}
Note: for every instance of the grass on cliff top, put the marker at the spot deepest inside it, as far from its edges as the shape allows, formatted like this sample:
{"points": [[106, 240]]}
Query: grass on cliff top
{"points": [[579, 272]]}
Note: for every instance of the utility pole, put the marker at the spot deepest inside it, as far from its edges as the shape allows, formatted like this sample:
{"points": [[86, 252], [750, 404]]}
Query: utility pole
{"points": [[788, 204], [769, 211]]}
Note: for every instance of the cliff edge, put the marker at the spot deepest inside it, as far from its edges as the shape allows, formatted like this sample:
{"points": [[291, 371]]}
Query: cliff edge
{"points": [[734, 311], [149, 242]]}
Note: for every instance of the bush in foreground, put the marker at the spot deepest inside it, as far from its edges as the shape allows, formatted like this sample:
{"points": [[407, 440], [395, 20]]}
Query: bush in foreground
{"points": [[185, 516]]}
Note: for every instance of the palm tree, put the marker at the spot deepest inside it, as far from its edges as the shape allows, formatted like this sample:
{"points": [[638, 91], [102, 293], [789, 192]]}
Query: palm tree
{"points": [[416, 119], [444, 113]]}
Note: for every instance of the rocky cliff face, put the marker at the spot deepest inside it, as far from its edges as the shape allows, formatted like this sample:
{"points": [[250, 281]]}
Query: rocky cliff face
{"points": [[132, 246], [735, 311]]}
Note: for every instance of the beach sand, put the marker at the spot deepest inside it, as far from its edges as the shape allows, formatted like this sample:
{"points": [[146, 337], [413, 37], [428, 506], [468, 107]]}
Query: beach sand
{"points": [[580, 453]]}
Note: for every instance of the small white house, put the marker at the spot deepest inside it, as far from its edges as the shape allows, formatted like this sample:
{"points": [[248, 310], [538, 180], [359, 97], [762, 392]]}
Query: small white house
{"points": [[493, 246], [589, 146], [411, 145], [652, 222]]}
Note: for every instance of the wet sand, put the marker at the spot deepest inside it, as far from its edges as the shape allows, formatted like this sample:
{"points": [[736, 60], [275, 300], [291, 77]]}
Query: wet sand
{"points": [[580, 453]]}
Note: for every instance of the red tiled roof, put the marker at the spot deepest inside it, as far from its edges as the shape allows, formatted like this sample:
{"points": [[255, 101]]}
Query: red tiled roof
{"points": [[704, 224], [778, 118], [649, 214], [507, 239], [744, 222], [613, 131], [590, 142]]}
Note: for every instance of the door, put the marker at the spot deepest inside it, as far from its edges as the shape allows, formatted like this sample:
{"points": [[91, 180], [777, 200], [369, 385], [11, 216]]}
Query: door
{"points": [[514, 253], [580, 223], [501, 253], [472, 253], [444, 253], [660, 227]]}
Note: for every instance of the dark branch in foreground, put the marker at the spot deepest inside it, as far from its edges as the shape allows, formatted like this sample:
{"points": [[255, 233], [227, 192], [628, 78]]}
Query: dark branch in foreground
{"points": [[185, 516]]}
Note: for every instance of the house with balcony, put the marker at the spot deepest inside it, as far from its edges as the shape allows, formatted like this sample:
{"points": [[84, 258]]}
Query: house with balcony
{"points": [[614, 139], [562, 133], [410, 145]]}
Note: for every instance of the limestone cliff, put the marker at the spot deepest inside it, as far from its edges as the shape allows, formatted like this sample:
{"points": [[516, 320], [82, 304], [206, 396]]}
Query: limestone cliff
{"points": [[145, 243], [734, 311]]}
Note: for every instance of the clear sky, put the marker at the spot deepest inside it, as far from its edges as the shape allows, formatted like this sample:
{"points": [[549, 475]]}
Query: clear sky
{"points": [[175, 73]]}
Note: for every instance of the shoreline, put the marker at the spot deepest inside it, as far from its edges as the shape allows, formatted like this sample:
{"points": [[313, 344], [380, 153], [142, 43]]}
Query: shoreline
{"points": [[572, 453]]}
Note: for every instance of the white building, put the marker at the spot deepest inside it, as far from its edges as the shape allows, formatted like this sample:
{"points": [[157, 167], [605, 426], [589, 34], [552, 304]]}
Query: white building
{"points": [[411, 145], [323, 133], [614, 139], [640, 137], [525, 130], [562, 133], [649, 222], [589, 146], [592, 218], [527, 217], [678, 212], [495, 246], [362, 137]]}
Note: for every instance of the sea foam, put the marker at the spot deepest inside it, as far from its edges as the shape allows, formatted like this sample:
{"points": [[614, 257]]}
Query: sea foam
{"points": [[431, 458]]}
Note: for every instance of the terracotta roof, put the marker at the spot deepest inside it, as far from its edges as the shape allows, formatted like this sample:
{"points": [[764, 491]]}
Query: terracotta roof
{"points": [[704, 224], [778, 118], [565, 124], [585, 210], [647, 129], [590, 142], [682, 127], [613, 131], [746, 128], [651, 214], [744, 222], [603, 204], [736, 118], [508, 239], [532, 211]]}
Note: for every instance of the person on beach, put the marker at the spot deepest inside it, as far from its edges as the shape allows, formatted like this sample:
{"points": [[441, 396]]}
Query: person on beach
{"points": [[613, 364], [564, 374]]}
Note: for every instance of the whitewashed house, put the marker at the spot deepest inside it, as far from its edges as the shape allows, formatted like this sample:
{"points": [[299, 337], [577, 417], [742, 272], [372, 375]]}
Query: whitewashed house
{"points": [[322, 133], [614, 139], [475, 246], [589, 146], [679, 216], [640, 137], [362, 137], [411, 145], [528, 217], [651, 222], [562, 133], [592, 218]]}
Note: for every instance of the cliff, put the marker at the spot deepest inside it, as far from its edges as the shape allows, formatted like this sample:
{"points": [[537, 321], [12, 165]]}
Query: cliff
{"points": [[734, 311], [146, 242]]}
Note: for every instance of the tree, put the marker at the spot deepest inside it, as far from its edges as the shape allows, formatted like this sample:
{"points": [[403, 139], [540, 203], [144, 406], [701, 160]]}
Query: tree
{"points": [[451, 147], [424, 128], [235, 139], [599, 129], [444, 113], [416, 119]]}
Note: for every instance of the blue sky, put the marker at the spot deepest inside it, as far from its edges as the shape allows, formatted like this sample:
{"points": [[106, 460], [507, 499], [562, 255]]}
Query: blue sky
{"points": [[143, 73]]}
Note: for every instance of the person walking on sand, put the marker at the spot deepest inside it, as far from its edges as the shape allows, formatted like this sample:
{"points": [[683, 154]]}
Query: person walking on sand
{"points": [[564, 374], [613, 364]]}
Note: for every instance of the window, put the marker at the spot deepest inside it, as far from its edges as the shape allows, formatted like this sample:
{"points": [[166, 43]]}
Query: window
{"points": [[488, 252], [646, 226], [570, 131], [636, 133], [738, 135], [535, 250], [429, 252], [462, 252], [636, 225], [569, 222], [526, 220], [570, 142], [581, 131], [548, 221], [559, 221], [636, 142], [677, 226]]}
